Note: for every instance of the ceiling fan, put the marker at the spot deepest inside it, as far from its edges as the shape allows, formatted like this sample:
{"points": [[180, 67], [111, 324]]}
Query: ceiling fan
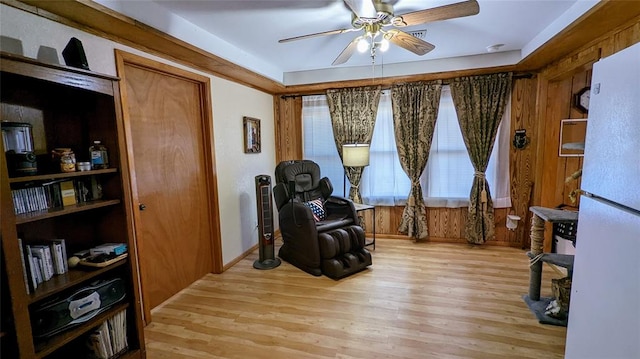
{"points": [[375, 16]]}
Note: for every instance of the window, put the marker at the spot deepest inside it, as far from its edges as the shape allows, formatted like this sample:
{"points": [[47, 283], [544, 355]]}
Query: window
{"points": [[318, 144], [446, 182]]}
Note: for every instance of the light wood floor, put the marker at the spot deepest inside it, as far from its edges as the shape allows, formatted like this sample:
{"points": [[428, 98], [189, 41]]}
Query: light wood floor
{"points": [[418, 300]]}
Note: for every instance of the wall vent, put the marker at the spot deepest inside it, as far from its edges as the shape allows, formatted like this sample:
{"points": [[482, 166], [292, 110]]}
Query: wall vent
{"points": [[420, 34]]}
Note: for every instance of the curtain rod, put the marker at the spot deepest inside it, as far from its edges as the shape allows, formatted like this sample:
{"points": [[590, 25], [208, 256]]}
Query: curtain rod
{"points": [[527, 75]]}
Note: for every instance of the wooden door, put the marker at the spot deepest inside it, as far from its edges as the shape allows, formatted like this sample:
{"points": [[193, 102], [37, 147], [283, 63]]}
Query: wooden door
{"points": [[170, 142]]}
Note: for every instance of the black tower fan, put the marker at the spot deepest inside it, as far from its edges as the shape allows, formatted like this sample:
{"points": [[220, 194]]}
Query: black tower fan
{"points": [[267, 258]]}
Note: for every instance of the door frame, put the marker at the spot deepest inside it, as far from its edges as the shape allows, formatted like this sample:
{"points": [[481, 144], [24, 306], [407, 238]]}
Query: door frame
{"points": [[204, 83]]}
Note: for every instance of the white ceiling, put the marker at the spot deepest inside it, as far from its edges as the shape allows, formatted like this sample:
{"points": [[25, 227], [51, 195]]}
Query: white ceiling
{"points": [[246, 32]]}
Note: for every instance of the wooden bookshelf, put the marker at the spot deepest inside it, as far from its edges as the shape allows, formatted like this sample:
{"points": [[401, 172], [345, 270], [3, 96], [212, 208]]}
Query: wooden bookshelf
{"points": [[55, 212], [54, 176], [71, 108]]}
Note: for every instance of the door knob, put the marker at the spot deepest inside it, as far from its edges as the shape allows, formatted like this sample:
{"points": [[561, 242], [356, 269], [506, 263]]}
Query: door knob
{"points": [[142, 206]]}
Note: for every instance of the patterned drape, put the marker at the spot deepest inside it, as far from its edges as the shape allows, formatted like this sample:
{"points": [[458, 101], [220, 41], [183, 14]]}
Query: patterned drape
{"points": [[480, 102], [415, 109], [353, 116]]}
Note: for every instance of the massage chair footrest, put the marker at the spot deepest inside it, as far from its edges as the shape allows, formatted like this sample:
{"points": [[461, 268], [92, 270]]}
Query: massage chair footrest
{"points": [[342, 252]]}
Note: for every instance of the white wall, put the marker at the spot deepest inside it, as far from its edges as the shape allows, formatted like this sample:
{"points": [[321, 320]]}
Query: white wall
{"points": [[235, 169]]}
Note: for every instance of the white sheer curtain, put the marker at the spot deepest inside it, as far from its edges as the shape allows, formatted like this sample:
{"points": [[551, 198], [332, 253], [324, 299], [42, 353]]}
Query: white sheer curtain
{"points": [[318, 140], [446, 181], [448, 177], [384, 182]]}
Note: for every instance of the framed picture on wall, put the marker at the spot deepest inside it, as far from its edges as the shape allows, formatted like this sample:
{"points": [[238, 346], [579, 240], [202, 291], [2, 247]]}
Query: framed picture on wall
{"points": [[251, 135], [572, 137]]}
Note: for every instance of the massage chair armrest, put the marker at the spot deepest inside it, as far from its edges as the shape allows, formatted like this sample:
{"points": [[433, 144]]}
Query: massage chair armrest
{"points": [[336, 206], [301, 217]]}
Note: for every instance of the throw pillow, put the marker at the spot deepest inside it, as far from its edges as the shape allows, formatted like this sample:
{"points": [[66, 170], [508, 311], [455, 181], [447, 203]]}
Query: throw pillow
{"points": [[317, 208]]}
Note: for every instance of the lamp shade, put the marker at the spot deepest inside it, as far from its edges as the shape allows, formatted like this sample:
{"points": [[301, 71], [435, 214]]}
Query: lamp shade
{"points": [[355, 155]]}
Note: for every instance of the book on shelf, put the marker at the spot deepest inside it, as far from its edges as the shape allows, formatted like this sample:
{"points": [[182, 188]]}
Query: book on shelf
{"points": [[68, 191], [42, 261], [29, 199], [55, 194], [25, 271], [37, 268], [88, 189], [59, 250], [31, 268], [43, 253], [109, 339]]}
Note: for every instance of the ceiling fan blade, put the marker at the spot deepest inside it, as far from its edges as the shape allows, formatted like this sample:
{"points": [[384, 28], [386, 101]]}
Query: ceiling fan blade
{"points": [[347, 52], [324, 33], [461, 9], [362, 8], [408, 42]]}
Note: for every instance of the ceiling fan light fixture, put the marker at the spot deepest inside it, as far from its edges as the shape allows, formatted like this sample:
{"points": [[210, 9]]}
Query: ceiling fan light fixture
{"points": [[363, 45], [384, 44], [373, 16]]}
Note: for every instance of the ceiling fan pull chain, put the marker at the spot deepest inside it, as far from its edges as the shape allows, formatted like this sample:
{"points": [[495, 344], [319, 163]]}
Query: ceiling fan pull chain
{"points": [[373, 68]]}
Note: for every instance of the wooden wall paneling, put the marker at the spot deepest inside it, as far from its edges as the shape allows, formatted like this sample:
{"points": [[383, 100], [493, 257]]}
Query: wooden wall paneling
{"points": [[550, 135], [433, 222], [573, 164], [580, 61], [396, 219], [464, 214], [539, 140], [288, 127], [456, 225], [450, 224], [379, 223], [555, 166], [368, 220], [501, 231], [446, 215], [523, 161], [626, 37], [445, 224], [555, 191], [388, 219]]}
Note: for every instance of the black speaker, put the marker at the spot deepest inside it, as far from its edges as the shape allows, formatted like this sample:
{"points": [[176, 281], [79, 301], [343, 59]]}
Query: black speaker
{"points": [[74, 55], [62, 313], [267, 258]]}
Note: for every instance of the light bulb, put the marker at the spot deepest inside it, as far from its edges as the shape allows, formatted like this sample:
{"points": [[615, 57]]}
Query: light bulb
{"points": [[363, 45], [384, 45]]}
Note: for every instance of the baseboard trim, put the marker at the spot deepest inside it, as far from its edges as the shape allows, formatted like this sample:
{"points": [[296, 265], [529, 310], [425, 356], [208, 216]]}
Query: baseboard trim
{"points": [[239, 258], [441, 240]]}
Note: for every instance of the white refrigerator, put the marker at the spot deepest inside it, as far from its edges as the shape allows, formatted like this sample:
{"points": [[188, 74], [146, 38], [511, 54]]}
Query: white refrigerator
{"points": [[604, 311]]}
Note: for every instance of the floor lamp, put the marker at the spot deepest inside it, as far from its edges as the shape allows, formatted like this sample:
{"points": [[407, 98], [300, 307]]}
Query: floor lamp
{"points": [[353, 155]]}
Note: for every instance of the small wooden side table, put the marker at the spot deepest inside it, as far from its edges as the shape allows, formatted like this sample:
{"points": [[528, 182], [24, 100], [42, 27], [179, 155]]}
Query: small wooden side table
{"points": [[365, 207]]}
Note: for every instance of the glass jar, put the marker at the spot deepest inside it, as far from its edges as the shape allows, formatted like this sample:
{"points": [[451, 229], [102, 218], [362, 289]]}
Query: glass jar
{"points": [[66, 157], [99, 156]]}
